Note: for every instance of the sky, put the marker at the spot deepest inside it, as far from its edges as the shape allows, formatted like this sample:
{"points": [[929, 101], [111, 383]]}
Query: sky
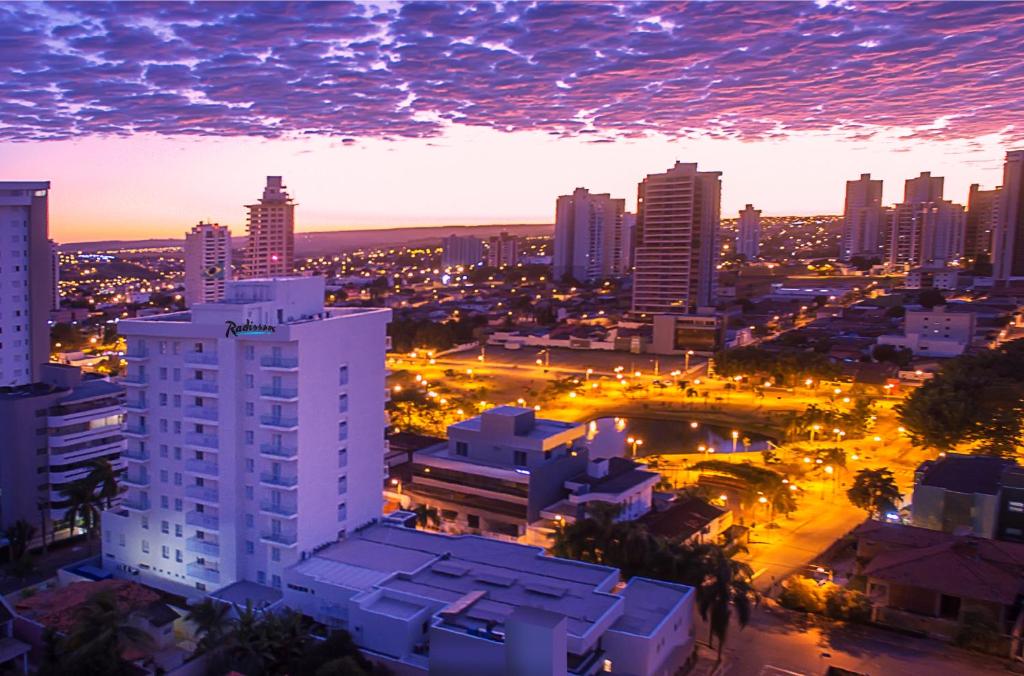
{"points": [[149, 117]]}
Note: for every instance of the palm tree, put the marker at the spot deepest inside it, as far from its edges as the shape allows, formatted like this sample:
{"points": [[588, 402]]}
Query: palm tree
{"points": [[83, 506], [726, 586], [875, 491], [100, 636], [19, 534], [212, 622], [104, 477], [427, 517]]}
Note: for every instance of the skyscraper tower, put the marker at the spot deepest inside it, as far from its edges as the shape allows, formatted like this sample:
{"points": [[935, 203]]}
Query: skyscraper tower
{"points": [[982, 217], [207, 263], [748, 236], [676, 255], [270, 251], [1008, 243], [924, 188], [863, 218], [26, 275], [924, 229], [589, 240]]}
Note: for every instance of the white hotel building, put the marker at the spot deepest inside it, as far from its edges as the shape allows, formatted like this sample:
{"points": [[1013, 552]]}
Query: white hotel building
{"points": [[241, 444]]}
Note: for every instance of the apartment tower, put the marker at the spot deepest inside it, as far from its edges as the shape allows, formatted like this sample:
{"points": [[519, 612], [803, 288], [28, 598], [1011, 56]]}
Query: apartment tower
{"points": [[270, 250], [748, 234], [26, 277], [589, 240], [925, 229], [676, 254], [982, 216], [503, 251], [207, 263], [1008, 243], [461, 250], [255, 435], [863, 219]]}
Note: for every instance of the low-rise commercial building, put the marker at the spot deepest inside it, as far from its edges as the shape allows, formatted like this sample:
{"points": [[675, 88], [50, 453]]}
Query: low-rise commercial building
{"points": [[934, 332]]}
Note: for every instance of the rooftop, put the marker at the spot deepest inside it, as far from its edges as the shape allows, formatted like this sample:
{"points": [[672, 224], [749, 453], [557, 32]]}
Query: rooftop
{"points": [[648, 603], [682, 519], [965, 473]]}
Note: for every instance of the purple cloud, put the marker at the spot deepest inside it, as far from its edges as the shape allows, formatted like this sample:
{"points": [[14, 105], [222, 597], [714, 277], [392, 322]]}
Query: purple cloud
{"points": [[602, 70]]}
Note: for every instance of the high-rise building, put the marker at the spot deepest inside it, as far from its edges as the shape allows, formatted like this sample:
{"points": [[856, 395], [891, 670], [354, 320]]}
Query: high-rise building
{"points": [[924, 188], [54, 430], [982, 216], [270, 250], [26, 276], [255, 434], [1008, 242], [589, 239], [748, 235], [628, 244], [925, 233], [54, 276], [503, 251], [863, 218], [207, 263], [676, 253], [464, 250]]}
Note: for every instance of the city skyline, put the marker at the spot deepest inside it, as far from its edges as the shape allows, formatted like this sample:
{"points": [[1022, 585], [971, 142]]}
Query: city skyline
{"points": [[819, 93]]}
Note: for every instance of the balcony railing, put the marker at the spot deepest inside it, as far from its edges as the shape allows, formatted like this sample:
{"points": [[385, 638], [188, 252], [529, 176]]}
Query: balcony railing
{"points": [[278, 509], [278, 480], [201, 412], [280, 362], [202, 520], [134, 379], [279, 422], [197, 466], [201, 358], [201, 493], [136, 430], [285, 539], [200, 571], [135, 503], [278, 451], [139, 481], [279, 392], [205, 547], [137, 405], [204, 386], [136, 353], [202, 440], [135, 454]]}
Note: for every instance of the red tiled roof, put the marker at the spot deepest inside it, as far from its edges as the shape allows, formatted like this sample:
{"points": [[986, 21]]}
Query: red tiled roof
{"points": [[57, 608]]}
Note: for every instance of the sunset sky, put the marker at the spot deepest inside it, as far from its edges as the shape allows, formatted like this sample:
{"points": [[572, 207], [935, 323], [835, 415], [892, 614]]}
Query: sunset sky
{"points": [[150, 117]]}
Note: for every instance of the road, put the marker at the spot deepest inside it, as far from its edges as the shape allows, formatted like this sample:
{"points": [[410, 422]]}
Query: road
{"points": [[778, 642]]}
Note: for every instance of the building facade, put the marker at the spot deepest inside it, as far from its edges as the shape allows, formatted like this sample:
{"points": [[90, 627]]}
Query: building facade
{"points": [[676, 253], [925, 233], [54, 430], [270, 249], [590, 242], [748, 233], [461, 250], [934, 333], [26, 276], [246, 419], [207, 263], [863, 219], [503, 251], [1008, 241], [982, 217]]}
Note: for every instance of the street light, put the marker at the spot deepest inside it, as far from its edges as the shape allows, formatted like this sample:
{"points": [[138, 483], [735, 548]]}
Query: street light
{"points": [[735, 436], [693, 425], [686, 363]]}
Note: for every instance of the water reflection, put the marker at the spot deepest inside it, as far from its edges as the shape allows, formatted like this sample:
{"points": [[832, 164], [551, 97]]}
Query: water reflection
{"points": [[612, 437]]}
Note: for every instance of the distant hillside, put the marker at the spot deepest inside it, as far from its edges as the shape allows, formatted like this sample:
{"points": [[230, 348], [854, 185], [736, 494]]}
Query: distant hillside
{"points": [[314, 243]]}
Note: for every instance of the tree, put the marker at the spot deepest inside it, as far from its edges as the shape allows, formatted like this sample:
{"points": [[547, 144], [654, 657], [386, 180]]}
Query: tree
{"points": [[19, 535], [104, 478], [929, 298], [212, 621], [875, 491], [726, 587], [427, 517], [99, 638], [83, 506]]}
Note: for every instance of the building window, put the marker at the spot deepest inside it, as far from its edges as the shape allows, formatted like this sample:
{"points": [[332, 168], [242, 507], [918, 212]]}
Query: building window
{"points": [[461, 448], [275, 554], [145, 546], [342, 512], [1016, 506], [342, 431], [249, 521], [249, 437], [250, 465], [165, 527], [250, 408], [519, 458], [343, 375], [165, 551], [343, 457], [177, 530], [343, 403], [250, 547], [177, 555], [342, 485], [473, 520], [275, 581]]}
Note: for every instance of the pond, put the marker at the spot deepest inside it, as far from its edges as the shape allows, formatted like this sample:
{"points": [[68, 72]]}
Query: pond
{"points": [[610, 437]]}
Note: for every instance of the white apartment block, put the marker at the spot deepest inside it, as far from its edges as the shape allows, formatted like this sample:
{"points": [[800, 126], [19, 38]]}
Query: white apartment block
{"points": [[589, 241], [935, 333], [246, 420], [676, 254], [26, 279], [748, 235], [270, 249], [207, 263], [863, 218]]}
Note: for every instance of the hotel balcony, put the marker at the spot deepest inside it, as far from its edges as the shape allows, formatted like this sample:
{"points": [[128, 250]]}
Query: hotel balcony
{"points": [[202, 520], [201, 359], [198, 570], [281, 539], [280, 363], [135, 431], [285, 452], [136, 406], [279, 422], [279, 393], [204, 547], [136, 354], [135, 454], [201, 467], [135, 504], [279, 509], [201, 413], [279, 480], [206, 442], [134, 380], [201, 494], [200, 386]]}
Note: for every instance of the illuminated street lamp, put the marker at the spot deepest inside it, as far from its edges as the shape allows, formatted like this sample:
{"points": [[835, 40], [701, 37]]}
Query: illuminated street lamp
{"points": [[735, 436], [686, 362], [634, 442]]}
